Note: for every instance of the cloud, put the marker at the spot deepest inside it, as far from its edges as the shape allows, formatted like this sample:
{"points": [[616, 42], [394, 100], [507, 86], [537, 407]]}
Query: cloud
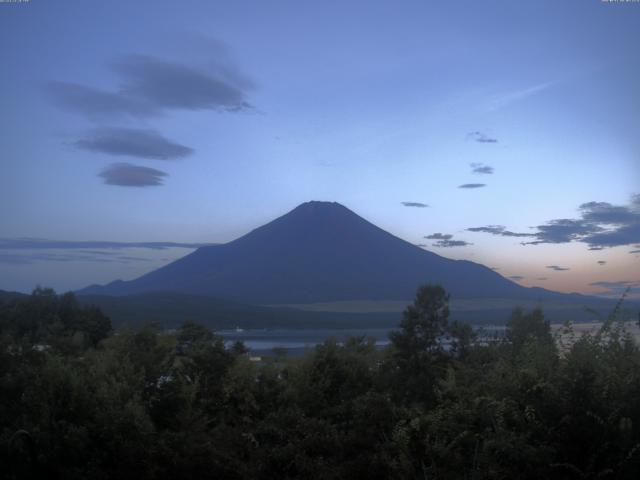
{"points": [[439, 236], [29, 258], [601, 262], [634, 251], [499, 230], [149, 86], [481, 137], [132, 142], [517, 277], [600, 225], [46, 244], [472, 185], [623, 235], [451, 243], [564, 230], [496, 102], [415, 204], [170, 85], [127, 175], [95, 103], [421, 245], [445, 240], [557, 268], [542, 279], [481, 169]]}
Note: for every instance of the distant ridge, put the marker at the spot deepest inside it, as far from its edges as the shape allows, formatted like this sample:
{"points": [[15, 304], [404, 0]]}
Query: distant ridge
{"points": [[319, 252]]}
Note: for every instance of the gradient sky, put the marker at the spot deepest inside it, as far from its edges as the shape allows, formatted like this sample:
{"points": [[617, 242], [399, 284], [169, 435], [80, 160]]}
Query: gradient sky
{"points": [[193, 122]]}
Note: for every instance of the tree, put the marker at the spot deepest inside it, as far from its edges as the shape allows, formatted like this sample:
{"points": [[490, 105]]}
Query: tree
{"points": [[528, 327], [418, 350]]}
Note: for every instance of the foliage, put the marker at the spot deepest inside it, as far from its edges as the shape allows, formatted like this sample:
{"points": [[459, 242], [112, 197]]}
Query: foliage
{"points": [[80, 401]]}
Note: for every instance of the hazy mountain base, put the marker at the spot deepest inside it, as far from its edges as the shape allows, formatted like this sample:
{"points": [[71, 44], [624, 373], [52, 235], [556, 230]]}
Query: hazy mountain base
{"points": [[171, 309]]}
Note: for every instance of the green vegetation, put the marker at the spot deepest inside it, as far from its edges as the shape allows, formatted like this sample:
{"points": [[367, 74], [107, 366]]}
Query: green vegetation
{"points": [[80, 401]]}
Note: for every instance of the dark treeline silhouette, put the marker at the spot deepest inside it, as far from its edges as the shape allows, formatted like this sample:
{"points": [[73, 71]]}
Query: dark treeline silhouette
{"points": [[78, 400]]}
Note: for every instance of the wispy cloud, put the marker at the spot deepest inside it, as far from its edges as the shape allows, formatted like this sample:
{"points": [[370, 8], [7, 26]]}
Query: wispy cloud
{"points": [[517, 277], [557, 268], [16, 258], [415, 204], [472, 185], [127, 175], [451, 243], [499, 230], [86, 246], [481, 137], [445, 240], [502, 100], [439, 236], [481, 169], [132, 142], [602, 262]]}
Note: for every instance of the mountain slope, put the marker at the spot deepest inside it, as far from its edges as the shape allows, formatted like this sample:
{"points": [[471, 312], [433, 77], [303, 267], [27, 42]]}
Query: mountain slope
{"points": [[318, 252]]}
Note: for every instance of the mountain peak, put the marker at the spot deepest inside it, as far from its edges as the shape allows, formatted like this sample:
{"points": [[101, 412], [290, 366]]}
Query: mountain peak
{"points": [[320, 206], [318, 252]]}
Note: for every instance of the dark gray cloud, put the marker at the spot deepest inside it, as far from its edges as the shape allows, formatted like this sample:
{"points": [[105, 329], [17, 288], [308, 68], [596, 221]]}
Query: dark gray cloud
{"points": [[421, 245], [557, 268], [564, 230], [481, 137], [46, 244], [472, 185], [499, 230], [600, 225], [415, 204], [132, 142], [601, 262], [175, 86], [149, 86], [517, 277], [634, 251], [481, 168], [439, 236], [96, 104], [605, 213], [445, 240], [127, 175], [623, 235], [451, 243]]}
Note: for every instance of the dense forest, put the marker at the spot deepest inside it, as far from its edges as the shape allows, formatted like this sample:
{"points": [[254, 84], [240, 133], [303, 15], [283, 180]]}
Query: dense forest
{"points": [[78, 400]]}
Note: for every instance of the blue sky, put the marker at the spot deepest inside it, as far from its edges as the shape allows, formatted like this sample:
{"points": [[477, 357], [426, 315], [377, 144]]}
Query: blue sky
{"points": [[196, 121]]}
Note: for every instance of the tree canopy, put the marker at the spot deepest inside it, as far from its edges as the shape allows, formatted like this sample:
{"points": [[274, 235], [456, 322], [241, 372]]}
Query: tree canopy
{"points": [[78, 400]]}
